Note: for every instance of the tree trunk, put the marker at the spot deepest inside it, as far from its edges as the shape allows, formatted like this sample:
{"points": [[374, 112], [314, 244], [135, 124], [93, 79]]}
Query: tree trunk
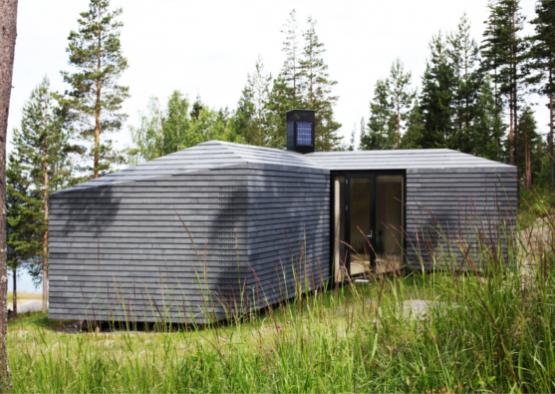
{"points": [[398, 129], [8, 32], [551, 153], [512, 142], [97, 109], [513, 94], [515, 121], [14, 291], [45, 286], [97, 132], [527, 161]]}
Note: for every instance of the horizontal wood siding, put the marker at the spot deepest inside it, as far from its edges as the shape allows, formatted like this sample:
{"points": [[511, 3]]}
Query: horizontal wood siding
{"points": [[450, 213], [188, 248], [172, 240], [289, 231], [149, 250]]}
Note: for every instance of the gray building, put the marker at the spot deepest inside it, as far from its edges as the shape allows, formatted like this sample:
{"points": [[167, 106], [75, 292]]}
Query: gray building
{"points": [[221, 229]]}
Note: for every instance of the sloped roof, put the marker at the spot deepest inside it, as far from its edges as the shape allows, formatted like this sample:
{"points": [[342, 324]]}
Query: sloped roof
{"points": [[204, 156], [218, 154], [400, 159]]}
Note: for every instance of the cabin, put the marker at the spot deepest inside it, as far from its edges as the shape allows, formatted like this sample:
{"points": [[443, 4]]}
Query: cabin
{"points": [[222, 229]]}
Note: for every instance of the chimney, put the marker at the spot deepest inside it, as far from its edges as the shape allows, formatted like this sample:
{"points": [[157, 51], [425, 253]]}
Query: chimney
{"points": [[300, 130]]}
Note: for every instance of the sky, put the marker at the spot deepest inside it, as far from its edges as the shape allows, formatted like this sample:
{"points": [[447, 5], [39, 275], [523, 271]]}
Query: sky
{"points": [[206, 48]]}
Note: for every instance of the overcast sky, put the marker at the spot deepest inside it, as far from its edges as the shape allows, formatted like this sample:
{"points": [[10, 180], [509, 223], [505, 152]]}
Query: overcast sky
{"points": [[206, 48]]}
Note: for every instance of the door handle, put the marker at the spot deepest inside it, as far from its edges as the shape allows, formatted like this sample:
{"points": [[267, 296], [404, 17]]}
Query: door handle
{"points": [[370, 234]]}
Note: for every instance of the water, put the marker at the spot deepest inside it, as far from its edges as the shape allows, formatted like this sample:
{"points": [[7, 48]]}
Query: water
{"points": [[24, 282]]}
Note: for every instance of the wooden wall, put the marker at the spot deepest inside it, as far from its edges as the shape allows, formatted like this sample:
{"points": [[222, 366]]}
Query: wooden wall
{"points": [[187, 248], [451, 214]]}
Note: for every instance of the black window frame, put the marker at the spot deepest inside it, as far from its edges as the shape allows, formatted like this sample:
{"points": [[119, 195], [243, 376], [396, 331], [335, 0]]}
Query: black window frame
{"points": [[348, 174]]}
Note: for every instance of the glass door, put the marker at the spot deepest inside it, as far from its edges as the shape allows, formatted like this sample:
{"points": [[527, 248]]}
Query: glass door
{"points": [[368, 216], [361, 225], [389, 230], [340, 210]]}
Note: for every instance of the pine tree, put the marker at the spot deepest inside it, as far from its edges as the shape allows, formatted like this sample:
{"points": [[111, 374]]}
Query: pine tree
{"points": [[413, 137], [389, 110], [355, 137], [290, 72], [316, 87], [96, 97], [251, 118], [361, 132], [402, 98], [24, 222], [279, 102], [529, 147], [436, 99], [243, 119], [542, 55], [303, 82], [8, 29], [457, 108], [468, 77], [378, 133], [488, 129], [43, 147], [285, 92], [503, 50]]}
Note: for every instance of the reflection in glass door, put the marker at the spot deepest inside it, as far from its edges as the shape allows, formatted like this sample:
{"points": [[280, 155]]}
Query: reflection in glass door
{"points": [[361, 224], [389, 238], [368, 215]]}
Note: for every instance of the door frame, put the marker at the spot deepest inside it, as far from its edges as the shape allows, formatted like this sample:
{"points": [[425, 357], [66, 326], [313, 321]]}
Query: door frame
{"points": [[371, 174]]}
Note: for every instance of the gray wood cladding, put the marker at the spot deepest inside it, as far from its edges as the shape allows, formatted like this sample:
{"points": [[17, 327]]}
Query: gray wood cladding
{"points": [[188, 247], [221, 229], [148, 250], [451, 215]]}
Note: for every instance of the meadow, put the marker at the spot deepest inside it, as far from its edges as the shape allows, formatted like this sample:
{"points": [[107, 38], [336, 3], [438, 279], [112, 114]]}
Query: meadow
{"points": [[491, 330]]}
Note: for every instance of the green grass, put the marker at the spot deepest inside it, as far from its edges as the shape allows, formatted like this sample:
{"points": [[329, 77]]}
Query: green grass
{"points": [[484, 334], [492, 331], [301, 346], [535, 203]]}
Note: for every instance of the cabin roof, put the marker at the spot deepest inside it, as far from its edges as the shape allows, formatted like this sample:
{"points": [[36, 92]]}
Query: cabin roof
{"points": [[219, 154], [204, 156], [397, 159]]}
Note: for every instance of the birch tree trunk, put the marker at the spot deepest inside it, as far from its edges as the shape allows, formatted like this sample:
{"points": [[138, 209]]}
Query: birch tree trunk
{"points": [[8, 32]]}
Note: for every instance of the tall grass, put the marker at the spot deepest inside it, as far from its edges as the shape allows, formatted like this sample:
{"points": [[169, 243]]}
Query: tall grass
{"points": [[489, 330]]}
